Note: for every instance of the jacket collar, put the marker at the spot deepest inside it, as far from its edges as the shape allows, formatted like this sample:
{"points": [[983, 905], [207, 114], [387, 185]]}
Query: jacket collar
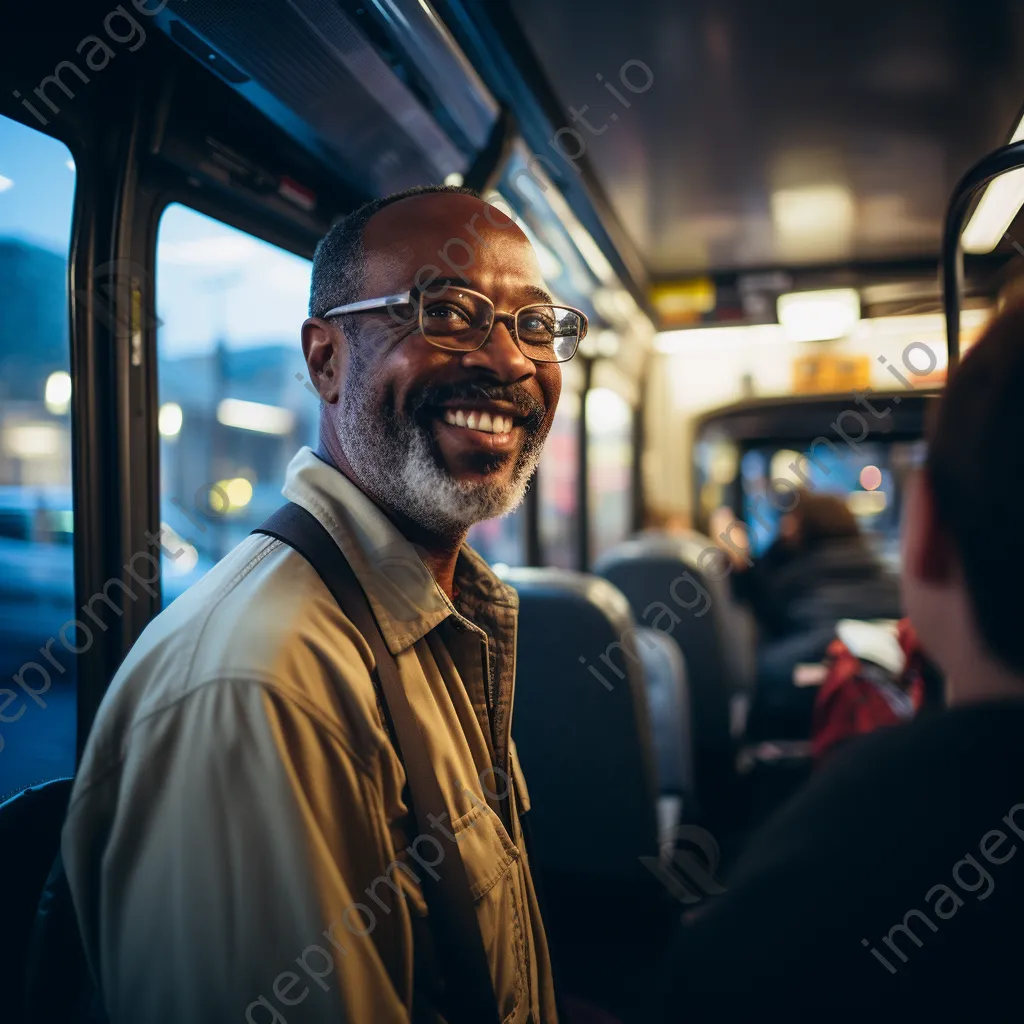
{"points": [[403, 594]]}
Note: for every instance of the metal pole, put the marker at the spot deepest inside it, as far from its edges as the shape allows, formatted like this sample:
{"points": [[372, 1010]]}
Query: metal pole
{"points": [[998, 162]]}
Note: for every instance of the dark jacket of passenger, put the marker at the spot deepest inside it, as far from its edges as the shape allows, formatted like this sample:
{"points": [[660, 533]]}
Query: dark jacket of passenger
{"points": [[890, 888], [805, 590]]}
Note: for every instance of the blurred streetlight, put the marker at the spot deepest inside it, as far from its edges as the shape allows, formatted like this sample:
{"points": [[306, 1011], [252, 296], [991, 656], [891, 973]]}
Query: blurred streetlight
{"points": [[170, 419], [58, 392]]}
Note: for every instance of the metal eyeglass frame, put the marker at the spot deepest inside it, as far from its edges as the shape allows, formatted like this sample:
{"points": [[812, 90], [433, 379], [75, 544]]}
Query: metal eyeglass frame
{"points": [[508, 319]]}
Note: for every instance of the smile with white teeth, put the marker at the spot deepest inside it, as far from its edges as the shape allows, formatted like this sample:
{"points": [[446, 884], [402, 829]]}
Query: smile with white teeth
{"points": [[478, 421]]}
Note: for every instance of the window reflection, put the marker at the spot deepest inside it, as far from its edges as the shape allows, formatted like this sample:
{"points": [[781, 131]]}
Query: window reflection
{"points": [[609, 462], [558, 513], [38, 635], [235, 401]]}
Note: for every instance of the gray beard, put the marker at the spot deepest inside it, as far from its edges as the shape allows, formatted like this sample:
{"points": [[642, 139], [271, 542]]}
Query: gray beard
{"points": [[397, 461]]}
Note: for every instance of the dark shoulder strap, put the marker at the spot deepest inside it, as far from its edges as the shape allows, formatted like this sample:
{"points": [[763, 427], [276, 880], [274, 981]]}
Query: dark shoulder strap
{"points": [[447, 890]]}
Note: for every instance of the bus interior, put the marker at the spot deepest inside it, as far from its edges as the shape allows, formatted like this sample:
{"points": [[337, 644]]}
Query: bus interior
{"points": [[751, 202]]}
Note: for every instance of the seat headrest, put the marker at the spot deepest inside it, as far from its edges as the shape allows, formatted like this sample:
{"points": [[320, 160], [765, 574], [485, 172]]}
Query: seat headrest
{"points": [[584, 588], [683, 547]]}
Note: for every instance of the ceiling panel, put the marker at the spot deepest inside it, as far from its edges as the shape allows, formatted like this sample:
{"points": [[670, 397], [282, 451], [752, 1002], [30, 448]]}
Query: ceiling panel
{"points": [[783, 133]]}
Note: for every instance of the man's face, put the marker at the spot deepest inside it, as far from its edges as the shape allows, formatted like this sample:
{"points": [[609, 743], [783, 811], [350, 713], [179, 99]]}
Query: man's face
{"points": [[445, 438]]}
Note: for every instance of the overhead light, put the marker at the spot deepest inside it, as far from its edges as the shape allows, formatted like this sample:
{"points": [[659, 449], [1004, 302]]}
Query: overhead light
{"points": [[169, 419], [820, 315], [265, 419], [1000, 203], [811, 217], [5, 183], [454, 179], [57, 394], [706, 339]]}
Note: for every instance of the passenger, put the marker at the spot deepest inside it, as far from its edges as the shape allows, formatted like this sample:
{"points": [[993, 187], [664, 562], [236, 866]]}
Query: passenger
{"points": [[818, 571], [240, 840], [661, 521], [892, 887]]}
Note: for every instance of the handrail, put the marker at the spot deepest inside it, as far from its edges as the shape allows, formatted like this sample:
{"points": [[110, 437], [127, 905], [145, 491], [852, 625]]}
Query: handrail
{"points": [[992, 165]]}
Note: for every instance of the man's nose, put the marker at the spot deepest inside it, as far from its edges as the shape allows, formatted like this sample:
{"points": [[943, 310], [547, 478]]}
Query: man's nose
{"points": [[501, 355]]}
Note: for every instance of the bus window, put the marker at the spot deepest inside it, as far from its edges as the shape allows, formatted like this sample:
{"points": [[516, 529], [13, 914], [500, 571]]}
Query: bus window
{"points": [[235, 399], [870, 481], [501, 540], [556, 480], [609, 458], [37, 598]]}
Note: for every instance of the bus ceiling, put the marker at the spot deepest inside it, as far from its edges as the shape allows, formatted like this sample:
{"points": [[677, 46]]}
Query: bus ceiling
{"points": [[290, 114], [282, 116]]}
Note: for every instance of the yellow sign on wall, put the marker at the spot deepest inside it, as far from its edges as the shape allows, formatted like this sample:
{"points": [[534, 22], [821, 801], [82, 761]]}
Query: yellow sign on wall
{"points": [[683, 302], [828, 374]]}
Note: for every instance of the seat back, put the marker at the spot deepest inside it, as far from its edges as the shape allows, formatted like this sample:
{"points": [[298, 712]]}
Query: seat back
{"points": [[669, 705], [679, 586], [30, 826], [581, 725]]}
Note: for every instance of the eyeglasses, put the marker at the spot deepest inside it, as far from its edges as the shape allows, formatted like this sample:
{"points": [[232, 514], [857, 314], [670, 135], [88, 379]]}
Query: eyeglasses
{"points": [[461, 320]]}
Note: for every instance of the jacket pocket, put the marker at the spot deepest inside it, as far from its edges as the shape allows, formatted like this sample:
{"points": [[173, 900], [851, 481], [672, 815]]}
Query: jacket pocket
{"points": [[493, 870]]}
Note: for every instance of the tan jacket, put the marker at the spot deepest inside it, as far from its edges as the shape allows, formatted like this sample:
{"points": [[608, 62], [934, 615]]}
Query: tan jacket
{"points": [[237, 843]]}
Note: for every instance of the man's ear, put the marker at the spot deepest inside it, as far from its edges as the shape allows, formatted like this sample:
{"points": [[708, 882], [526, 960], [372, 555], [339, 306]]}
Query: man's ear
{"points": [[326, 350], [928, 552]]}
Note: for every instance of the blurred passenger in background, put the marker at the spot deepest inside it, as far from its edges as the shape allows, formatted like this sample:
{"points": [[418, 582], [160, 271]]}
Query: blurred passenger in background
{"points": [[819, 570], [663, 520], [892, 886]]}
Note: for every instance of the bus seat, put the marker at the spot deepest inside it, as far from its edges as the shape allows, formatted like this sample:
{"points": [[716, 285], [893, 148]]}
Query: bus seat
{"points": [[30, 825], [582, 730], [581, 725], [668, 585], [668, 704]]}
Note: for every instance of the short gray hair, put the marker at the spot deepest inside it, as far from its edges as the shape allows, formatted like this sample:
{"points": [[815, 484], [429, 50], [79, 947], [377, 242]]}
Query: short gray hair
{"points": [[339, 263]]}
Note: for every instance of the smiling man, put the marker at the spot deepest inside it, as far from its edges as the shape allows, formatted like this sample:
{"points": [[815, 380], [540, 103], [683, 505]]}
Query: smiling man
{"points": [[241, 843]]}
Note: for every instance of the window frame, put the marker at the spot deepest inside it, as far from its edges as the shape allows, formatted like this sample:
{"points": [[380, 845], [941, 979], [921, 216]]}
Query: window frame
{"points": [[119, 200]]}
